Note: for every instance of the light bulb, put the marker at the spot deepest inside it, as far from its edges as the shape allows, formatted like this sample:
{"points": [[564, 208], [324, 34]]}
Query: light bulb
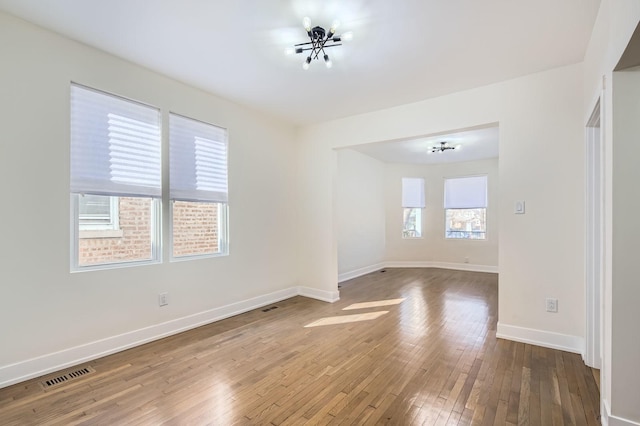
{"points": [[348, 36], [289, 51], [458, 147], [306, 63], [334, 26], [306, 23], [327, 61], [439, 151]]}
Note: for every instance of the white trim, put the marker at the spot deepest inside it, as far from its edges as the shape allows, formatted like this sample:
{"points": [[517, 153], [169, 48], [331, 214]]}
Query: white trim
{"points": [[35, 367], [547, 339], [323, 295], [595, 237], [609, 420], [442, 265], [345, 276]]}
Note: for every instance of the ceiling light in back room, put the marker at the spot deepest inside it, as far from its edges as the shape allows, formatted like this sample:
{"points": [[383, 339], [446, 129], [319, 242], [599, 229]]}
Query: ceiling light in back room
{"points": [[444, 146]]}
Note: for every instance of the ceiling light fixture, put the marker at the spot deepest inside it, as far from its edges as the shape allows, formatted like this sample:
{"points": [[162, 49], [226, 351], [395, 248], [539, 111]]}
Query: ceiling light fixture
{"points": [[319, 39], [444, 146]]}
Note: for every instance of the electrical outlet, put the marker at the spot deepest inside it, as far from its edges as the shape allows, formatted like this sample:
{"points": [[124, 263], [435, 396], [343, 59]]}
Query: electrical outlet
{"points": [[552, 305], [163, 299]]}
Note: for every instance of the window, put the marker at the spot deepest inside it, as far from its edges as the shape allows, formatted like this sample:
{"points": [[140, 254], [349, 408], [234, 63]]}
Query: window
{"points": [[97, 212], [412, 204], [465, 203], [198, 188], [115, 180]]}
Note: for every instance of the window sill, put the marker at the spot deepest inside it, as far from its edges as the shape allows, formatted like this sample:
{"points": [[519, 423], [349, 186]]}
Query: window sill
{"points": [[105, 233]]}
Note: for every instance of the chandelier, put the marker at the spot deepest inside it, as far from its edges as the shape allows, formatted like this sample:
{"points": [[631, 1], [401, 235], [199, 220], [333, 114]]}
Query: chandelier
{"points": [[319, 40], [444, 146]]}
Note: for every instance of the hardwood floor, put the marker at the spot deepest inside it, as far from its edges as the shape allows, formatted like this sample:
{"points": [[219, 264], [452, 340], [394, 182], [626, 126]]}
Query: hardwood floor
{"points": [[432, 358]]}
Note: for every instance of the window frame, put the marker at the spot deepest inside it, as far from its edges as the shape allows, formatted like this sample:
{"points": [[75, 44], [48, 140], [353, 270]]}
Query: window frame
{"points": [[467, 207], [186, 192], [155, 239], [135, 112], [413, 198]]}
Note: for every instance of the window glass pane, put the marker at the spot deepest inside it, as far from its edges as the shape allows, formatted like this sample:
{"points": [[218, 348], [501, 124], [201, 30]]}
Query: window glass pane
{"points": [[95, 209], [466, 224], [412, 223], [198, 228], [132, 241]]}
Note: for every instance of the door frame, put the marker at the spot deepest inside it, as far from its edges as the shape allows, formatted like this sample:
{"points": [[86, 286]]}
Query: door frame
{"points": [[595, 237]]}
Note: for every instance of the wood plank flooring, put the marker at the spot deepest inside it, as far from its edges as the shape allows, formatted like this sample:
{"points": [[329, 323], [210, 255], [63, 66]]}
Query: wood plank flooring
{"points": [[432, 359]]}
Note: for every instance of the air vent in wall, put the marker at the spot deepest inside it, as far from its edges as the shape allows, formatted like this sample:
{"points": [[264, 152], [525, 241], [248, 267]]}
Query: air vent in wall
{"points": [[67, 377]]}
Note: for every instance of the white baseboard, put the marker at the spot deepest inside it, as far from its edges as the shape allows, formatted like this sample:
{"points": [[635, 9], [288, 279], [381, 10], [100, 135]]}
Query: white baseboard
{"points": [[359, 272], [466, 267], [325, 296], [609, 420], [39, 366], [408, 264], [547, 339], [442, 265]]}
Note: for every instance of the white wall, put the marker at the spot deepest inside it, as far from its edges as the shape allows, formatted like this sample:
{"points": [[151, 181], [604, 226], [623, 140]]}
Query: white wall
{"points": [[625, 314], [433, 249], [541, 253], [360, 213], [616, 22], [50, 317]]}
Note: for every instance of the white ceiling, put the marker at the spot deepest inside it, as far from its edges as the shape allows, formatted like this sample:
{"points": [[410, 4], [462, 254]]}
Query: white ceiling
{"points": [[403, 51], [474, 144]]}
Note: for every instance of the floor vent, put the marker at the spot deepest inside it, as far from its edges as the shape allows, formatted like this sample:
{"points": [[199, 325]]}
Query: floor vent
{"points": [[67, 377], [270, 309]]}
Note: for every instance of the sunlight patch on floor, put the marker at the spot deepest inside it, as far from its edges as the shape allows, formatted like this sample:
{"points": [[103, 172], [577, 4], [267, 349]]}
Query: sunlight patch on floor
{"points": [[343, 319], [375, 304]]}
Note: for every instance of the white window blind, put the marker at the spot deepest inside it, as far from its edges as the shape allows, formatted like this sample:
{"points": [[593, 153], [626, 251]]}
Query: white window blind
{"points": [[465, 192], [115, 145], [413, 193], [198, 160]]}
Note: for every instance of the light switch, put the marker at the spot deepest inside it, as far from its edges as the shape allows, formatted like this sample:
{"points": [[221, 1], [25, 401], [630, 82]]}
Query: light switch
{"points": [[519, 209]]}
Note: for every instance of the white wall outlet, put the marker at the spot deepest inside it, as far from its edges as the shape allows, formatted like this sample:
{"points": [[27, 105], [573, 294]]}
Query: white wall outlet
{"points": [[519, 207], [163, 299], [552, 304]]}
